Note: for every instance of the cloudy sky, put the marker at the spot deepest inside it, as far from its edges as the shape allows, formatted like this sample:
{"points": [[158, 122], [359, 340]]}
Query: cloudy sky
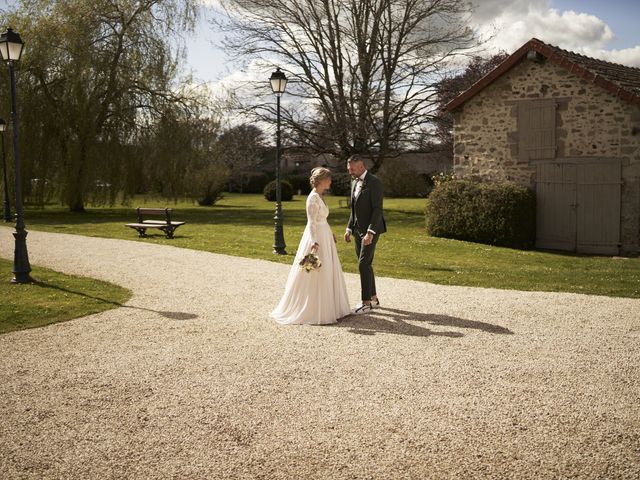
{"points": [[606, 29]]}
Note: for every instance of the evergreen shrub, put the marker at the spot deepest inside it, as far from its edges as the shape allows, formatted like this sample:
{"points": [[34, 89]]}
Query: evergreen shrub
{"points": [[493, 214], [286, 190], [401, 179], [301, 183], [255, 183]]}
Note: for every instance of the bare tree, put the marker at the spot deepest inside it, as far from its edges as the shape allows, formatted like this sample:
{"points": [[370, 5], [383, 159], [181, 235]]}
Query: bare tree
{"points": [[362, 71], [452, 86], [241, 148]]}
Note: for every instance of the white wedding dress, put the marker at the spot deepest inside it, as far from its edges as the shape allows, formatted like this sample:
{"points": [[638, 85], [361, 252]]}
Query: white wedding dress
{"points": [[319, 296]]}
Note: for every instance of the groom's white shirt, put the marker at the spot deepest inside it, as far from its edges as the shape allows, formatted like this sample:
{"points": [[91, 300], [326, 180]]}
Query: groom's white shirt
{"points": [[359, 182]]}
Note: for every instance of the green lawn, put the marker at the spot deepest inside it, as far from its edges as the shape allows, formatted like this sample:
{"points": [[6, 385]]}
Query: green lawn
{"points": [[55, 297], [242, 225]]}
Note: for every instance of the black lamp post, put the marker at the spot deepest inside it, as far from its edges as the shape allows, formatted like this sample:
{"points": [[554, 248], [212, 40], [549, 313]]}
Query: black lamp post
{"points": [[11, 46], [5, 184], [278, 84]]}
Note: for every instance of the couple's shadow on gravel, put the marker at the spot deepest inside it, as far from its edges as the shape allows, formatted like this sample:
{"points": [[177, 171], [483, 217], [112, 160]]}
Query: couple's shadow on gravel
{"points": [[402, 322]]}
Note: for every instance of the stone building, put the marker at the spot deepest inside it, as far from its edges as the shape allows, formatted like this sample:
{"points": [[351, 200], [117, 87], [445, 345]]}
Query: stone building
{"points": [[568, 126]]}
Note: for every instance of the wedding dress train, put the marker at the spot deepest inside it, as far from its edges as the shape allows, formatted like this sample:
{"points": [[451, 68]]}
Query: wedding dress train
{"points": [[319, 296]]}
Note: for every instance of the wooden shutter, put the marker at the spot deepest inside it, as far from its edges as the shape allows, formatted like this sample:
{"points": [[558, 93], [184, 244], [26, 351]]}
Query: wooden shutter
{"points": [[537, 130]]}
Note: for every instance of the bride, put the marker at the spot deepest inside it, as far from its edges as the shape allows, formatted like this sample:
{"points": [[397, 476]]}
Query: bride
{"points": [[317, 296]]}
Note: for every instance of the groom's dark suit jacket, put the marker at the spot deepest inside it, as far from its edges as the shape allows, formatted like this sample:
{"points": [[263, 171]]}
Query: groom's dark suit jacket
{"points": [[366, 210]]}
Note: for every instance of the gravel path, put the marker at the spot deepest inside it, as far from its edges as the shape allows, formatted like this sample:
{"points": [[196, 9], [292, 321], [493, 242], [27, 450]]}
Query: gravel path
{"points": [[191, 379]]}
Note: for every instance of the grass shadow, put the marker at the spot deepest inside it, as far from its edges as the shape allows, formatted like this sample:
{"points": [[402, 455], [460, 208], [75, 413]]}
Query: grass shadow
{"points": [[394, 321], [165, 314]]}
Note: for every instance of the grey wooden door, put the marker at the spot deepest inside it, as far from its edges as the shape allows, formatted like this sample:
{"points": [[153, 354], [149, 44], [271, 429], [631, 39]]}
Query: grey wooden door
{"points": [[598, 208], [555, 209], [578, 206]]}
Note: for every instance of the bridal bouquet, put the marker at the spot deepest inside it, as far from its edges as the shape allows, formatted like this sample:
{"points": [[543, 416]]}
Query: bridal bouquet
{"points": [[310, 262]]}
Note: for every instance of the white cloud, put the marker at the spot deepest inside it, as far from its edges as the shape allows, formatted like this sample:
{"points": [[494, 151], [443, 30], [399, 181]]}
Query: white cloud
{"points": [[486, 11], [626, 56], [251, 81], [509, 23], [508, 26]]}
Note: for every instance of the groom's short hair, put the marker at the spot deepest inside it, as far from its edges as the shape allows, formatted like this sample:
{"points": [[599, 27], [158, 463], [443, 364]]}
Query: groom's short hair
{"points": [[356, 157]]}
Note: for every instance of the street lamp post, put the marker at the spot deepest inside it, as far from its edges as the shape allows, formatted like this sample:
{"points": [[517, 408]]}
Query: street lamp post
{"points": [[278, 84], [6, 206], [11, 46]]}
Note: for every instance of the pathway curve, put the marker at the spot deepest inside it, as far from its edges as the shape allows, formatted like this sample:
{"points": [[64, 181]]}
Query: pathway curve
{"points": [[191, 379]]}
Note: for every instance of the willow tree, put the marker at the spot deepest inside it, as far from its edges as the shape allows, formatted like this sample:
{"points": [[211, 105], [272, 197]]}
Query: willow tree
{"points": [[362, 72], [93, 75], [180, 157]]}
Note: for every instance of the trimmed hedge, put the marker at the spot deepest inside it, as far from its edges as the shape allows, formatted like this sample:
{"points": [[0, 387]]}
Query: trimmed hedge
{"points": [[341, 184], [252, 183], [401, 179], [286, 191], [301, 183], [494, 214]]}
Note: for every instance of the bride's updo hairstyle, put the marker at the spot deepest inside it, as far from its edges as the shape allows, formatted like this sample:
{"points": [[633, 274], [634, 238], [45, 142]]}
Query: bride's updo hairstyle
{"points": [[318, 174]]}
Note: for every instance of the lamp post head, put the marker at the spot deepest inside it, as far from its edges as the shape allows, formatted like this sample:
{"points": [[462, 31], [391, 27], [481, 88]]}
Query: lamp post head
{"points": [[3, 125], [278, 82], [11, 46]]}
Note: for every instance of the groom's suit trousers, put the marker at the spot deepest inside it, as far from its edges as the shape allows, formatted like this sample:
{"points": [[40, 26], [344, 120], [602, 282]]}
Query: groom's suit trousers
{"points": [[365, 260]]}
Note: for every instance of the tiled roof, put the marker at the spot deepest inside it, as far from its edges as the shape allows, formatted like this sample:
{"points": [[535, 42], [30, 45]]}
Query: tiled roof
{"points": [[620, 80]]}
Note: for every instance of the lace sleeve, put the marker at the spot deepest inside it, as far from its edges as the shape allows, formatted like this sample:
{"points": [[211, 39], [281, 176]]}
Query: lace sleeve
{"points": [[313, 215]]}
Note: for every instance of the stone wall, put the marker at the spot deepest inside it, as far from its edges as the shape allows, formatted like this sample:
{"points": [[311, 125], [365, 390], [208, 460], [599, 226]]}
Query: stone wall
{"points": [[590, 123]]}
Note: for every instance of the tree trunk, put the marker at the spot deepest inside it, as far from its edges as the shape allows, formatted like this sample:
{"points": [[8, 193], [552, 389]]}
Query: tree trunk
{"points": [[77, 180]]}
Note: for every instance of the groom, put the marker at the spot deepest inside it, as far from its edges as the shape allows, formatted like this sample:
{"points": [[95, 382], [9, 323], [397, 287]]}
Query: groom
{"points": [[366, 224]]}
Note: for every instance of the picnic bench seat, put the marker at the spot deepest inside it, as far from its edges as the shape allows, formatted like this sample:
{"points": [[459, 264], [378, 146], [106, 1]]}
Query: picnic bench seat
{"points": [[167, 225]]}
